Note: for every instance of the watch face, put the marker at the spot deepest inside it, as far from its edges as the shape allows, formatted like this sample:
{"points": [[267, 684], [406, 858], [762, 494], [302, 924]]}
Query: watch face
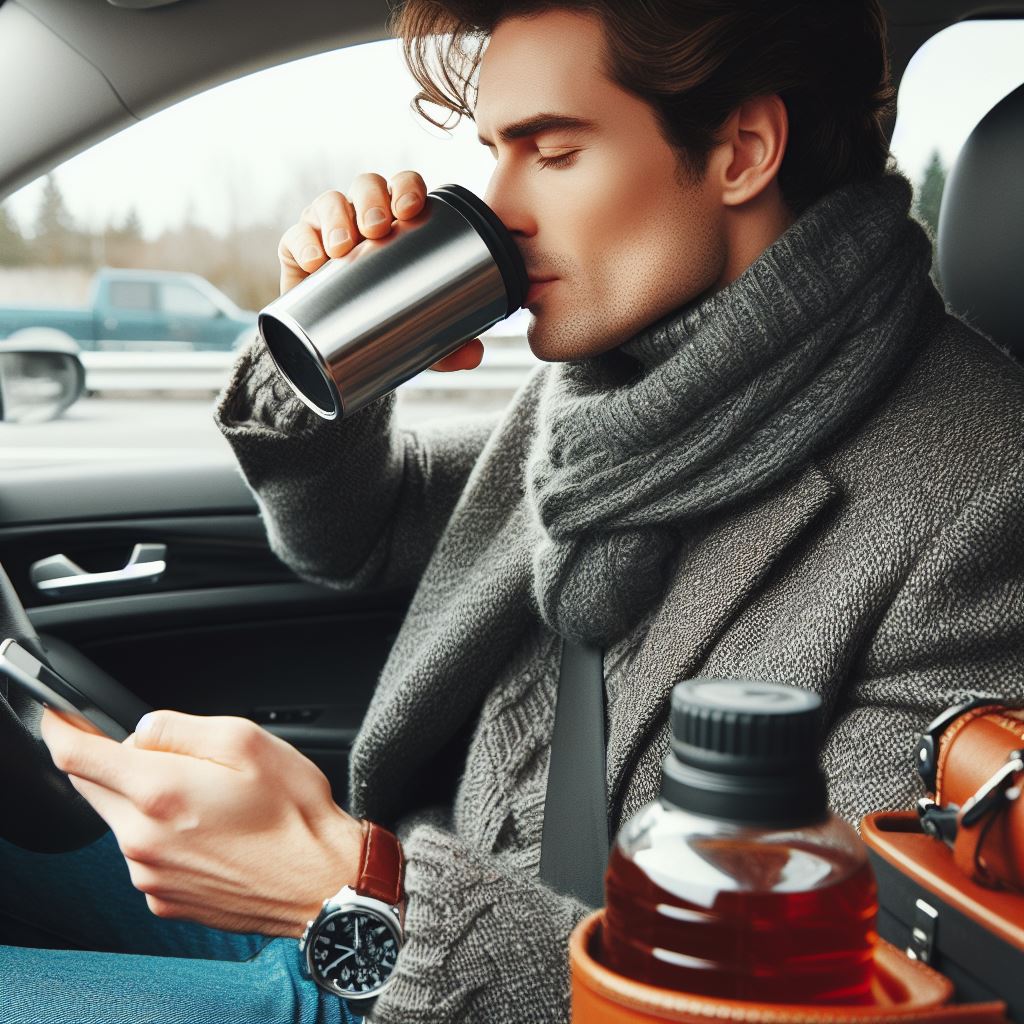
{"points": [[354, 951]]}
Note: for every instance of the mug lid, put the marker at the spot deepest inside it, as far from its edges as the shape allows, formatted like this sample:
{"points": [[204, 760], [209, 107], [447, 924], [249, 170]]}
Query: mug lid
{"points": [[496, 237]]}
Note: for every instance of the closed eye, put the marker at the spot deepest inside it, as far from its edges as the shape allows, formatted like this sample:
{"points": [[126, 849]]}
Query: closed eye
{"points": [[566, 160]]}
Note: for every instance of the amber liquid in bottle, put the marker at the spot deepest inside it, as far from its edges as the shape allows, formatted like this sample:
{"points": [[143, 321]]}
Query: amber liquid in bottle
{"points": [[786, 921]]}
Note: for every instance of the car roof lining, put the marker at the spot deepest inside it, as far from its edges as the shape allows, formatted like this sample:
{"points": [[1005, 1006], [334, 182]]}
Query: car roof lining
{"points": [[95, 68]]}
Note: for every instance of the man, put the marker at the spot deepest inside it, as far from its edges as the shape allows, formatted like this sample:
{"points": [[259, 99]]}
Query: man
{"points": [[738, 460]]}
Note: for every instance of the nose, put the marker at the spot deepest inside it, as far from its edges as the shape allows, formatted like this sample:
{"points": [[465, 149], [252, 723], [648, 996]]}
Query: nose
{"points": [[511, 204]]}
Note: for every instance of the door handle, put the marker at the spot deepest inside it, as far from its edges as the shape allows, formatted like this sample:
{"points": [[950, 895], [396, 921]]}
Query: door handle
{"points": [[59, 576]]}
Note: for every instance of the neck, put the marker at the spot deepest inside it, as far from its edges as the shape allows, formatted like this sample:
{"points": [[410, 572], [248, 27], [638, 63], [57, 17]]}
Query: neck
{"points": [[720, 400], [750, 229]]}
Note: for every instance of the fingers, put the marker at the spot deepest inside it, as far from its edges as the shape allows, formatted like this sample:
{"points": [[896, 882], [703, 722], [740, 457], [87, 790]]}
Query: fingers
{"points": [[372, 201], [116, 810], [178, 744], [334, 223], [326, 230], [466, 358], [408, 195], [78, 721], [89, 756], [299, 252]]}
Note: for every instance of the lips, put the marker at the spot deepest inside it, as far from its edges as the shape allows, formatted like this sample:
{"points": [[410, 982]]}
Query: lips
{"points": [[536, 288]]}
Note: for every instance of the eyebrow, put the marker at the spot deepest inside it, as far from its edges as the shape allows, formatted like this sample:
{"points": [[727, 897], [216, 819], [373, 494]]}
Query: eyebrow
{"points": [[541, 123]]}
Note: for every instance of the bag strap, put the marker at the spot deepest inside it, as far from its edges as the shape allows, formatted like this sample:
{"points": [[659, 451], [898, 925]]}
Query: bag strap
{"points": [[574, 845], [974, 804]]}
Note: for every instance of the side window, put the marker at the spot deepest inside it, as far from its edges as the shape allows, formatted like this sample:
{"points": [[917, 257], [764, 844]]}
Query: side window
{"points": [[137, 296], [184, 300], [948, 87], [201, 200]]}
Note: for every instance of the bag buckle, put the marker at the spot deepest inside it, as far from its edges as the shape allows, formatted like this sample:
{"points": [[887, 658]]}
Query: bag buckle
{"points": [[938, 821], [1001, 788], [943, 822]]}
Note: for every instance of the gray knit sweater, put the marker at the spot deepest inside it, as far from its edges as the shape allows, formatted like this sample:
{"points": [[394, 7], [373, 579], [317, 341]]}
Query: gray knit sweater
{"points": [[887, 574]]}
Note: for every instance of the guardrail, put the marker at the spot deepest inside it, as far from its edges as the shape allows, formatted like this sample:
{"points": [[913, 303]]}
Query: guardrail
{"points": [[156, 371], [505, 365]]}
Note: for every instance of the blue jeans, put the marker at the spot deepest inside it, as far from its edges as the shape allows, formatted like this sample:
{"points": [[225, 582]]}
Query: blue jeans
{"points": [[134, 967]]}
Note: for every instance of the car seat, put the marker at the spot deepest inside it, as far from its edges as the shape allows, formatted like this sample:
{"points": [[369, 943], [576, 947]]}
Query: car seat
{"points": [[981, 227]]}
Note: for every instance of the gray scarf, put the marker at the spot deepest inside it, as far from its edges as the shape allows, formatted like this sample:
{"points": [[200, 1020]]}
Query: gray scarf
{"points": [[716, 402]]}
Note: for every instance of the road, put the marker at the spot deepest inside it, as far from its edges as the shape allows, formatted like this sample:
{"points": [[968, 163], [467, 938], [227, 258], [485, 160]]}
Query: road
{"points": [[108, 430]]}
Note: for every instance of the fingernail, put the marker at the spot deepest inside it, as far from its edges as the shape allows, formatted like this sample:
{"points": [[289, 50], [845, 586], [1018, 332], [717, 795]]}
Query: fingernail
{"points": [[406, 201], [374, 216], [310, 253], [337, 237]]}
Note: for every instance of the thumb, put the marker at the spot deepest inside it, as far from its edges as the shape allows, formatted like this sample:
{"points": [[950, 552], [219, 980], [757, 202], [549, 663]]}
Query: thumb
{"points": [[203, 736]]}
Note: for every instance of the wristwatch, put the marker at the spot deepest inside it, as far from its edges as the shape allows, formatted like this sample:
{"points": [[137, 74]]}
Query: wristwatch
{"points": [[351, 947]]}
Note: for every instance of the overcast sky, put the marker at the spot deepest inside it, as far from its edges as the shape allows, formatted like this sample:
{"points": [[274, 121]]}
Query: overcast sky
{"points": [[260, 148]]}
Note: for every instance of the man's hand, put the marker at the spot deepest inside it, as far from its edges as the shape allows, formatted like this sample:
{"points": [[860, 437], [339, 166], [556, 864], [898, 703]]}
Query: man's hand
{"points": [[335, 223], [220, 821]]}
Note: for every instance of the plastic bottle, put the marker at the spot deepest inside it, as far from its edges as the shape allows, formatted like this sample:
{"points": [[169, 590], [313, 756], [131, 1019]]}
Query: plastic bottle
{"points": [[738, 882]]}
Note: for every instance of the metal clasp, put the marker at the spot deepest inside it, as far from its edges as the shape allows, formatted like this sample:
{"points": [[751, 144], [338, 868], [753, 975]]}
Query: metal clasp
{"points": [[937, 821], [1001, 786]]}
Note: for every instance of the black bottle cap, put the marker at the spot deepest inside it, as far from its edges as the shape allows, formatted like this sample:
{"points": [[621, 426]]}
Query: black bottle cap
{"points": [[746, 751]]}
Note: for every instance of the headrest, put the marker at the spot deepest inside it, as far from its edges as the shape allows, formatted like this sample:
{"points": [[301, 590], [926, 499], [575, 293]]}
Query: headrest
{"points": [[981, 227]]}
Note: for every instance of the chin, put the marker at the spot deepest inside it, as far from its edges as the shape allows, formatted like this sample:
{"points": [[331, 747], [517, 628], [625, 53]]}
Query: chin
{"points": [[549, 340], [535, 339], [542, 348], [550, 345]]}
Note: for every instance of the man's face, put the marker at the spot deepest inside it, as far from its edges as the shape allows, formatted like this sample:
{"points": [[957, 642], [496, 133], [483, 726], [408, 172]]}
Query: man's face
{"points": [[624, 233]]}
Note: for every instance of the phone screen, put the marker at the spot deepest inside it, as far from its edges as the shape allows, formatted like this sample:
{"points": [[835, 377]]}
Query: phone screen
{"points": [[53, 691]]}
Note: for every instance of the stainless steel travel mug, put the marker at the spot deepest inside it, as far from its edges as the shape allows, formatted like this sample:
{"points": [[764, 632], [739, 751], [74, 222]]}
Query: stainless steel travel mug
{"points": [[361, 325]]}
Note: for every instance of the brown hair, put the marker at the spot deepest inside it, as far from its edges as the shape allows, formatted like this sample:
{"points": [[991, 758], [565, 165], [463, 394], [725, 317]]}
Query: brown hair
{"points": [[695, 62]]}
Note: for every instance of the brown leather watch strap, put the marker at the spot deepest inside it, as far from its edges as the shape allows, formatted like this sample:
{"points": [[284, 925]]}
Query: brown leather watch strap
{"points": [[381, 865]]}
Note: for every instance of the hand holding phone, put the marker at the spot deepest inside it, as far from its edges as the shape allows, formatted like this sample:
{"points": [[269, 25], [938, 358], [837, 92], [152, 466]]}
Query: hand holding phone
{"points": [[116, 720]]}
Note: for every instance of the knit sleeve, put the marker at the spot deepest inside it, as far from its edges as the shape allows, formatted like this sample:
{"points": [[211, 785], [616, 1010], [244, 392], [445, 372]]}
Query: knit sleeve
{"points": [[482, 944], [350, 503], [955, 626]]}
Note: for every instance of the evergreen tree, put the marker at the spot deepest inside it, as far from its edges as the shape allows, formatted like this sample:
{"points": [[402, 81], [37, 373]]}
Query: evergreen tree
{"points": [[928, 202], [123, 244], [13, 247], [56, 241], [929, 193], [131, 229]]}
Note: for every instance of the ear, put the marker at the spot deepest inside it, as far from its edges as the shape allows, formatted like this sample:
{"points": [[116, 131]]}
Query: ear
{"points": [[752, 143]]}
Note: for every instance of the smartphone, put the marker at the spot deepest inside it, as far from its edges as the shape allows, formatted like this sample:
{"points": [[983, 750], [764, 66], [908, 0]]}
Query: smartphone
{"points": [[53, 691]]}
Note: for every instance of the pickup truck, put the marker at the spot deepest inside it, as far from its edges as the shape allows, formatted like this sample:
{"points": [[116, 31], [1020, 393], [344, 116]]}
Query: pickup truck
{"points": [[141, 310]]}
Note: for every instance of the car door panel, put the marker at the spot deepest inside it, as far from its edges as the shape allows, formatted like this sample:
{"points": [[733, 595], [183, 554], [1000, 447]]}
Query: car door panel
{"points": [[228, 629]]}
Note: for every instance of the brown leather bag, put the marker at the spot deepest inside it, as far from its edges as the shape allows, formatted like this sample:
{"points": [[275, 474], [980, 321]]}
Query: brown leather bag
{"points": [[974, 775], [959, 903]]}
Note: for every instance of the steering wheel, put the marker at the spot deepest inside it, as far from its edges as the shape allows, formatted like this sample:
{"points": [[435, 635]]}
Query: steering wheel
{"points": [[40, 810]]}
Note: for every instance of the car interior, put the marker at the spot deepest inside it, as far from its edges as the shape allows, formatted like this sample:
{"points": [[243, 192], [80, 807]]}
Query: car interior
{"points": [[227, 629]]}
